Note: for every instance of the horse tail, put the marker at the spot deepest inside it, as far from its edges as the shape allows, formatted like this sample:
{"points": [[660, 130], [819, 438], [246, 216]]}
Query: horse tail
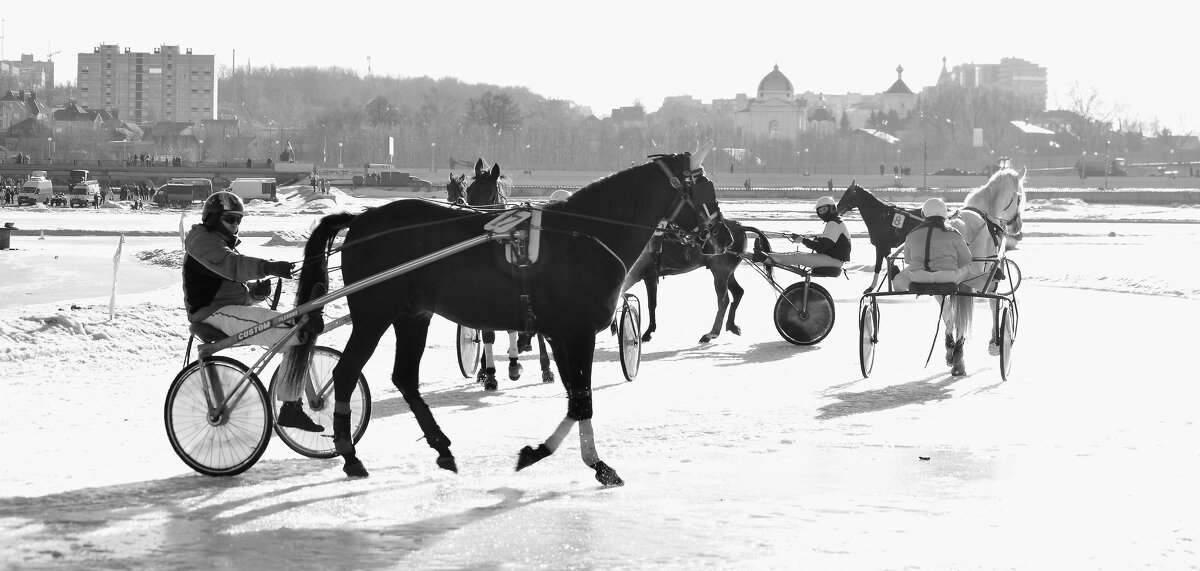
{"points": [[959, 313], [761, 243], [313, 283]]}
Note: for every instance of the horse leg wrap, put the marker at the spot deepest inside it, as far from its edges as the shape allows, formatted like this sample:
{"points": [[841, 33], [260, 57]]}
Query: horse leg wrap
{"points": [[529, 456], [579, 405], [606, 475], [343, 444]]}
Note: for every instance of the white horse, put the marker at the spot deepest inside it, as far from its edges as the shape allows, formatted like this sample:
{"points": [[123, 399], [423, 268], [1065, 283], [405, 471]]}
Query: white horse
{"points": [[987, 214]]}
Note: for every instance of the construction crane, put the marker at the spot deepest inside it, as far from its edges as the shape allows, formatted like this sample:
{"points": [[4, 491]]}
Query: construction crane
{"points": [[50, 54]]}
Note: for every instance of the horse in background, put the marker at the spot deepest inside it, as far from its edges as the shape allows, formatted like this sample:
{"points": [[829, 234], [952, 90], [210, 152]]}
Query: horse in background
{"points": [[492, 194], [887, 224], [988, 213], [590, 241], [664, 257], [456, 190]]}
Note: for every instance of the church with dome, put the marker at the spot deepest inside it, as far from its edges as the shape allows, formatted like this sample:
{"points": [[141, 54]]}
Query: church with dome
{"points": [[778, 112]]}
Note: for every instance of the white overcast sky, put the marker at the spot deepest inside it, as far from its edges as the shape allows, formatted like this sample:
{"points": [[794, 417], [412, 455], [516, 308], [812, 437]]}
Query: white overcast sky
{"points": [[1139, 56]]}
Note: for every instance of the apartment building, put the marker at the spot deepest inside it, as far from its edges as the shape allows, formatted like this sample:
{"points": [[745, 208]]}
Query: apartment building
{"points": [[1026, 78], [146, 88]]}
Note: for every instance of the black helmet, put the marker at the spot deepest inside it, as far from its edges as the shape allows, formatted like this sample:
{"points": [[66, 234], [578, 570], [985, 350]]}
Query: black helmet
{"points": [[219, 203]]}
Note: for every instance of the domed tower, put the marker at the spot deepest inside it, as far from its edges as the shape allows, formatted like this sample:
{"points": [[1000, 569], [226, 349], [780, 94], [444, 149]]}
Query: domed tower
{"points": [[776, 85]]}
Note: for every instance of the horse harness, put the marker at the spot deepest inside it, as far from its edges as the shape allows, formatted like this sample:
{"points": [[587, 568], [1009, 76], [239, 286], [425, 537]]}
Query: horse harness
{"points": [[994, 229], [521, 229]]}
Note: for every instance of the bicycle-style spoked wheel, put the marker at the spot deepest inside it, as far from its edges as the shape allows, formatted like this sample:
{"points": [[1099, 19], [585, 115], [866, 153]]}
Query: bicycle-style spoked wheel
{"points": [[1012, 278], [467, 343], [1008, 333], [868, 331], [630, 337], [802, 323], [212, 440], [318, 405]]}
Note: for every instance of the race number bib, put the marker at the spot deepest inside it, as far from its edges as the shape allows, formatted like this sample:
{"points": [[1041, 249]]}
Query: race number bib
{"points": [[898, 221]]}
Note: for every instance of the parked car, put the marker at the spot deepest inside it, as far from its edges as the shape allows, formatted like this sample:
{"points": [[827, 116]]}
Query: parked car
{"points": [[951, 172]]}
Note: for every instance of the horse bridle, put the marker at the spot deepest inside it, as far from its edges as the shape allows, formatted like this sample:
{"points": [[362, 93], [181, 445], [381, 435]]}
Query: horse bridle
{"points": [[685, 195]]}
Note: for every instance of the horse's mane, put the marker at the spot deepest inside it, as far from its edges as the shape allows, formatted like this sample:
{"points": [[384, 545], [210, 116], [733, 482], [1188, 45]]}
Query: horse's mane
{"points": [[984, 197], [615, 189]]}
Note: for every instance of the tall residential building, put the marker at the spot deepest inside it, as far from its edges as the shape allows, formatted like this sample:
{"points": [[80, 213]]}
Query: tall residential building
{"points": [[26, 73], [147, 88], [1026, 78]]}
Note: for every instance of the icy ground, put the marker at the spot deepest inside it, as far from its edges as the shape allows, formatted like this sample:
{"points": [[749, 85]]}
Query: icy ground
{"points": [[746, 453]]}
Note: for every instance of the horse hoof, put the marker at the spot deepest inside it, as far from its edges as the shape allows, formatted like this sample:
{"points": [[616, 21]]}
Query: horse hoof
{"points": [[514, 371], [547, 377], [606, 475], [993, 348], [706, 338], [646, 337], [734, 329], [354, 467], [959, 369], [529, 456], [490, 384], [447, 463]]}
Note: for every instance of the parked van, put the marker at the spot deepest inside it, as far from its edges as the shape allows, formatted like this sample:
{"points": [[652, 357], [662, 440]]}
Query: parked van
{"points": [[182, 192], [254, 188], [82, 191], [38, 188]]}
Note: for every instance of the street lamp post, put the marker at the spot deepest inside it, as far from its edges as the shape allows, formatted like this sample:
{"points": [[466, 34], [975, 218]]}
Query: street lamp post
{"points": [[50, 149], [1106, 164], [339, 155], [528, 159], [201, 150], [433, 157]]}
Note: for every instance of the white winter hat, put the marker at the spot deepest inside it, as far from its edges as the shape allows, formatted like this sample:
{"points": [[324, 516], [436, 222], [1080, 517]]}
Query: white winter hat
{"points": [[934, 207]]}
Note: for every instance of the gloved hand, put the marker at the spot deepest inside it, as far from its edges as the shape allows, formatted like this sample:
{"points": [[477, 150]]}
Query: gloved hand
{"points": [[796, 238], [281, 269], [260, 290]]}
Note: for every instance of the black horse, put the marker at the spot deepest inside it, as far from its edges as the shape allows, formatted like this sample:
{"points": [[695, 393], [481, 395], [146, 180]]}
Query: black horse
{"points": [[569, 294], [456, 189], [490, 195], [667, 257], [887, 224]]}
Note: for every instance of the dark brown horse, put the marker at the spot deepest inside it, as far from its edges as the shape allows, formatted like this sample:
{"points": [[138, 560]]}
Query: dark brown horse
{"points": [[487, 195], [672, 257], [569, 294], [887, 224]]}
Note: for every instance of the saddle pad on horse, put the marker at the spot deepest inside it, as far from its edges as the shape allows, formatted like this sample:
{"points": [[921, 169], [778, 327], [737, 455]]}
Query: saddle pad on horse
{"points": [[523, 249]]}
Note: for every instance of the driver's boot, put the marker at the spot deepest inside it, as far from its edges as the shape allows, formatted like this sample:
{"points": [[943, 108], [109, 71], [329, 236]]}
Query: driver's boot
{"points": [[291, 415]]}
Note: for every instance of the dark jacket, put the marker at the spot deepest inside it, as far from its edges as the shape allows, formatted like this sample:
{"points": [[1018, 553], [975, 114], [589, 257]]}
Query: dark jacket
{"points": [[833, 242], [214, 273]]}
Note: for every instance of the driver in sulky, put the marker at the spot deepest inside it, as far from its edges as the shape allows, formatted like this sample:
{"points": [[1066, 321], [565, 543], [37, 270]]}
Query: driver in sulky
{"points": [[216, 292], [830, 248]]}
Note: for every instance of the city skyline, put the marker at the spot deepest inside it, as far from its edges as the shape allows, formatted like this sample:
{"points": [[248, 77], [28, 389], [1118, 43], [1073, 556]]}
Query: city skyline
{"points": [[627, 52]]}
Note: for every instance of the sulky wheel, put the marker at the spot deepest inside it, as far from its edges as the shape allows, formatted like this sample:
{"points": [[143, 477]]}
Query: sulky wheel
{"points": [[318, 405], [630, 337], [1008, 333], [467, 343], [804, 321], [1012, 278], [868, 336], [222, 428]]}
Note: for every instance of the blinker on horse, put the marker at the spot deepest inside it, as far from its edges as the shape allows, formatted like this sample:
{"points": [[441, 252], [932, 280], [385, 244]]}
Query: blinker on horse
{"points": [[588, 245]]}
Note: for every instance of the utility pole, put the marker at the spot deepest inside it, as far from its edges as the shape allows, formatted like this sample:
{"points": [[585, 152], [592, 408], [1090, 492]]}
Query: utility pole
{"points": [[2, 52]]}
